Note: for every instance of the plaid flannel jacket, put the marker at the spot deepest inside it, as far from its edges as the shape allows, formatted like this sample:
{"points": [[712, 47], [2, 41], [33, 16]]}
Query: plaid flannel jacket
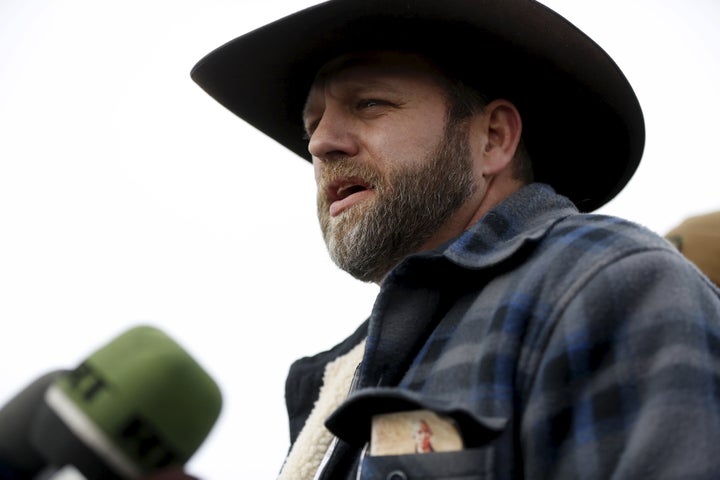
{"points": [[564, 346]]}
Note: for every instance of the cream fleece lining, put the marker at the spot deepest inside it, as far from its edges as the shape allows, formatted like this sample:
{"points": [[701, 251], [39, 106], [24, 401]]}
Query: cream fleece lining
{"points": [[314, 439]]}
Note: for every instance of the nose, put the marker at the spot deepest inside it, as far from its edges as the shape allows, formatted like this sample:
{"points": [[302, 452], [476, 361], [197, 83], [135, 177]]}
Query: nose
{"points": [[333, 138]]}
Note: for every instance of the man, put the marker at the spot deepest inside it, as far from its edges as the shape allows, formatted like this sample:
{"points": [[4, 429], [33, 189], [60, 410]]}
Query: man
{"points": [[455, 144]]}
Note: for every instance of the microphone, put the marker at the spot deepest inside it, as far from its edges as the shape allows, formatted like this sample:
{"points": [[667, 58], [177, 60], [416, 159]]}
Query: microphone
{"points": [[18, 458], [137, 405]]}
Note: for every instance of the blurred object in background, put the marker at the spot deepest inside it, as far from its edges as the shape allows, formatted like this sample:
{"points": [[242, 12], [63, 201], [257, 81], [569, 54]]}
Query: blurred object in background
{"points": [[698, 238]]}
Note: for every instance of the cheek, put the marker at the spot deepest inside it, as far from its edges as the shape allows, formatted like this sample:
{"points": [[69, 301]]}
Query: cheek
{"points": [[407, 146], [478, 173]]}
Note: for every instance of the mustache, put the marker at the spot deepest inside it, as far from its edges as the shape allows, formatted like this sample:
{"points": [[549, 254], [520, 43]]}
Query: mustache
{"points": [[346, 169]]}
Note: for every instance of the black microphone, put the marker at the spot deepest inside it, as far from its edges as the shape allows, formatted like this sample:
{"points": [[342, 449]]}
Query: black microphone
{"points": [[19, 460], [135, 406]]}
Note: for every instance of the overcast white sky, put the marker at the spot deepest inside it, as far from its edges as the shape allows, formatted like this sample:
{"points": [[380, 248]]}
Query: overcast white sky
{"points": [[128, 196]]}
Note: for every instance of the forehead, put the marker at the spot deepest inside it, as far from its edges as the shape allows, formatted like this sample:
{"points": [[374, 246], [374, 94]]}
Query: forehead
{"points": [[376, 66]]}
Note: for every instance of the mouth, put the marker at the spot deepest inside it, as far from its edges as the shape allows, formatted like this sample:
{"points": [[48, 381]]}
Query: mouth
{"points": [[346, 192]]}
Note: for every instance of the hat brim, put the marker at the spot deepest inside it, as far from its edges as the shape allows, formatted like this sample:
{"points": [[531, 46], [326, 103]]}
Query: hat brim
{"points": [[582, 124]]}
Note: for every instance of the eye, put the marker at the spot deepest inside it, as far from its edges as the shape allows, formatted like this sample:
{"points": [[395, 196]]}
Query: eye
{"points": [[370, 103]]}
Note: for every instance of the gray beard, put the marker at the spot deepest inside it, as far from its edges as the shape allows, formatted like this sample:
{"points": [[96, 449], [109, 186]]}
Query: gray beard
{"points": [[410, 206]]}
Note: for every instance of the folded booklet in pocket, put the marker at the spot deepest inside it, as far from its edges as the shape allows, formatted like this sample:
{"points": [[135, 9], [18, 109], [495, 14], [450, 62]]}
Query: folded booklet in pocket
{"points": [[416, 431]]}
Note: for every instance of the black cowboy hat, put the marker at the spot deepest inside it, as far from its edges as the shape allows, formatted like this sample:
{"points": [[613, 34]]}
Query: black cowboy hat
{"points": [[582, 123]]}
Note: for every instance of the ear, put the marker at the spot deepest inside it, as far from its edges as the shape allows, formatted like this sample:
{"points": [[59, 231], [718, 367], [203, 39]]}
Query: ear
{"points": [[501, 128]]}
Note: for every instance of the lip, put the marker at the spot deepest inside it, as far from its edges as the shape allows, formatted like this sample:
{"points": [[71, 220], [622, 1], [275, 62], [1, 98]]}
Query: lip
{"points": [[343, 193]]}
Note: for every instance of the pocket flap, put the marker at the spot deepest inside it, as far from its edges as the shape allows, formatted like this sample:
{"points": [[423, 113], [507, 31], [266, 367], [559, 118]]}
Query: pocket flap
{"points": [[352, 420]]}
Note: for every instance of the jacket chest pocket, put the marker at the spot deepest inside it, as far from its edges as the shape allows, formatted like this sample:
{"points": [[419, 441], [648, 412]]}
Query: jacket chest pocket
{"points": [[467, 464], [456, 442]]}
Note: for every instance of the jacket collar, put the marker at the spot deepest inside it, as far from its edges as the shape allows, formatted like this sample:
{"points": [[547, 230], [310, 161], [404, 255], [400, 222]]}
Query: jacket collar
{"points": [[523, 217]]}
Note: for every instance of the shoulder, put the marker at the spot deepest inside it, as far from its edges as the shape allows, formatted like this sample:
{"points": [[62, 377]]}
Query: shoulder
{"points": [[581, 246], [605, 235], [609, 272], [605, 270]]}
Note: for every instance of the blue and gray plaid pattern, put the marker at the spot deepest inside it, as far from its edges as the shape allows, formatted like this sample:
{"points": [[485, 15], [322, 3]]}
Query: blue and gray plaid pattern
{"points": [[566, 346]]}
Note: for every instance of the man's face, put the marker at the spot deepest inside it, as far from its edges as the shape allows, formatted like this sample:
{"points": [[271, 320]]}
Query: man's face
{"points": [[391, 170]]}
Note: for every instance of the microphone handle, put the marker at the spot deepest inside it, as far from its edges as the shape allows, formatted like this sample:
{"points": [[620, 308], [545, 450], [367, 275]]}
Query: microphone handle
{"points": [[62, 447]]}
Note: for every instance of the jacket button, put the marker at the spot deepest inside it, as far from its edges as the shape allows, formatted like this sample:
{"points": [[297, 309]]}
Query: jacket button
{"points": [[396, 475]]}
